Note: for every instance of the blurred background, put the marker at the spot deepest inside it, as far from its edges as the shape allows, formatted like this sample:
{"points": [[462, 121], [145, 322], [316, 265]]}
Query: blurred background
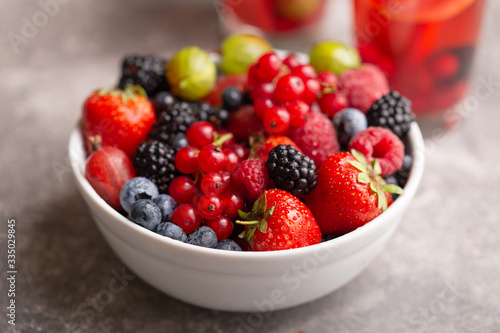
{"points": [[438, 273]]}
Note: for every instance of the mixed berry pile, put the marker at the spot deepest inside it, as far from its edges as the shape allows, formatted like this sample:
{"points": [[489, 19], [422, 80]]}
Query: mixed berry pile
{"points": [[260, 153]]}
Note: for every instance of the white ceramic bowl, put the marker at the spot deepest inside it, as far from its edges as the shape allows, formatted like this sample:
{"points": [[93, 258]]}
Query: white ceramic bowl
{"points": [[244, 281]]}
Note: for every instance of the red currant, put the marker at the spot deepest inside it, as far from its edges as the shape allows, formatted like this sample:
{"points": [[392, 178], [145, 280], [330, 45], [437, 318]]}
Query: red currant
{"points": [[186, 217], [232, 159], [182, 189], [200, 134], [252, 79], [210, 206], [313, 87], [240, 150], [332, 103], [304, 72], [233, 201], [213, 183], [261, 104], [211, 158], [298, 111], [268, 66], [277, 120], [289, 88], [186, 159], [327, 79], [222, 226], [291, 61], [262, 90]]}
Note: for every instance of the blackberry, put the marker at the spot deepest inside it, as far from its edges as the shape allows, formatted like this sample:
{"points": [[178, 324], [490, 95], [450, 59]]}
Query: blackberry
{"points": [[145, 71], [155, 160], [291, 170], [216, 116], [391, 111], [176, 118], [404, 172]]}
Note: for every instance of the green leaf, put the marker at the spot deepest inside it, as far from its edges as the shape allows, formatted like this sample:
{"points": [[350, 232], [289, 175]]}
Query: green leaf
{"points": [[268, 213], [392, 188], [360, 157], [262, 204], [243, 215], [252, 222], [363, 178], [376, 167], [263, 226], [373, 187], [358, 166], [382, 200]]}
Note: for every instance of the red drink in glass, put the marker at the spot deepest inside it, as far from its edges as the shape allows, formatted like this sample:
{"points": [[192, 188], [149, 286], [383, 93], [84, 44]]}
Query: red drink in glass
{"points": [[424, 46]]}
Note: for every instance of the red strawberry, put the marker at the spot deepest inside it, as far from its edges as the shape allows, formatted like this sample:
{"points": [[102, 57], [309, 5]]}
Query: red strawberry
{"points": [[279, 221], [107, 170], [317, 138], [262, 149], [363, 86], [349, 193], [122, 118]]}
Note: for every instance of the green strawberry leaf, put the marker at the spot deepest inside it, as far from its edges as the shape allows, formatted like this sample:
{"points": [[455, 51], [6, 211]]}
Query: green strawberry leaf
{"points": [[392, 188], [358, 166], [359, 157], [263, 226], [376, 167], [364, 178], [382, 200]]}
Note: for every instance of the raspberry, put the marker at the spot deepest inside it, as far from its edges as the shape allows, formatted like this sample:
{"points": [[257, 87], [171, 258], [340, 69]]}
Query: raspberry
{"points": [[377, 143], [392, 111], [363, 86], [250, 178], [316, 138], [291, 171]]}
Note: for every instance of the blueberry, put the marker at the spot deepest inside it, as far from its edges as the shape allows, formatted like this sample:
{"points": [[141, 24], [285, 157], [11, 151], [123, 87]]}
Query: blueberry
{"points": [[349, 122], [228, 244], [203, 236], [404, 172], [232, 98], [171, 230], [179, 141], [135, 189], [144, 212], [162, 100], [166, 205]]}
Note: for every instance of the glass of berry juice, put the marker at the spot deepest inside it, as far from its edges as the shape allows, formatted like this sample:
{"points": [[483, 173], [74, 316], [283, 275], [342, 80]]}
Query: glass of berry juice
{"points": [[424, 46]]}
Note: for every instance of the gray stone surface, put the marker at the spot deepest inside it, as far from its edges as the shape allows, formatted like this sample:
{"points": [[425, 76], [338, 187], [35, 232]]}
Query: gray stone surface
{"points": [[438, 273]]}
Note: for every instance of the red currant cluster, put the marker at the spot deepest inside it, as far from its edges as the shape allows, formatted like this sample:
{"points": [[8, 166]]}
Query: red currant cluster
{"points": [[211, 155], [283, 91]]}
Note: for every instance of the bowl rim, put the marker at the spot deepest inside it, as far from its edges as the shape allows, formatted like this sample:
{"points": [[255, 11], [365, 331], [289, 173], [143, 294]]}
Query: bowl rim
{"points": [[77, 156]]}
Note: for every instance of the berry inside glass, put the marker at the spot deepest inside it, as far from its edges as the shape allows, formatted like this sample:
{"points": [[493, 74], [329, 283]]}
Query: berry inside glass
{"points": [[424, 46]]}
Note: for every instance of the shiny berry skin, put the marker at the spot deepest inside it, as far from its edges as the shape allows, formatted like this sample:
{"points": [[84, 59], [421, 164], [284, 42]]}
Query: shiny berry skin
{"points": [[231, 158], [262, 90], [209, 206], [200, 134], [213, 183], [304, 71], [311, 91], [268, 66], [252, 78], [291, 61], [327, 80], [298, 111], [222, 226], [186, 159], [232, 98], [332, 103], [289, 88], [232, 201], [186, 217], [262, 104], [182, 189], [277, 120], [211, 158], [107, 170], [240, 150]]}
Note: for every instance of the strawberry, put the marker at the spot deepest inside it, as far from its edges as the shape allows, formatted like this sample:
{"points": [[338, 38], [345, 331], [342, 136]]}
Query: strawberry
{"points": [[349, 193], [122, 118], [261, 148], [279, 221]]}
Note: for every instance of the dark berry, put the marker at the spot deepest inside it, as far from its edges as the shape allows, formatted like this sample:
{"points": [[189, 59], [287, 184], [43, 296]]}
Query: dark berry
{"points": [[348, 123], [228, 245], [203, 236], [145, 71], [291, 170], [179, 141], [155, 161], [391, 111], [135, 189], [162, 101], [404, 172], [145, 213], [167, 205], [171, 230], [231, 98]]}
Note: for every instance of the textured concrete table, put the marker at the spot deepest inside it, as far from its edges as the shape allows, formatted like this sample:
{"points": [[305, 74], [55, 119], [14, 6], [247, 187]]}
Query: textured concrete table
{"points": [[438, 273]]}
